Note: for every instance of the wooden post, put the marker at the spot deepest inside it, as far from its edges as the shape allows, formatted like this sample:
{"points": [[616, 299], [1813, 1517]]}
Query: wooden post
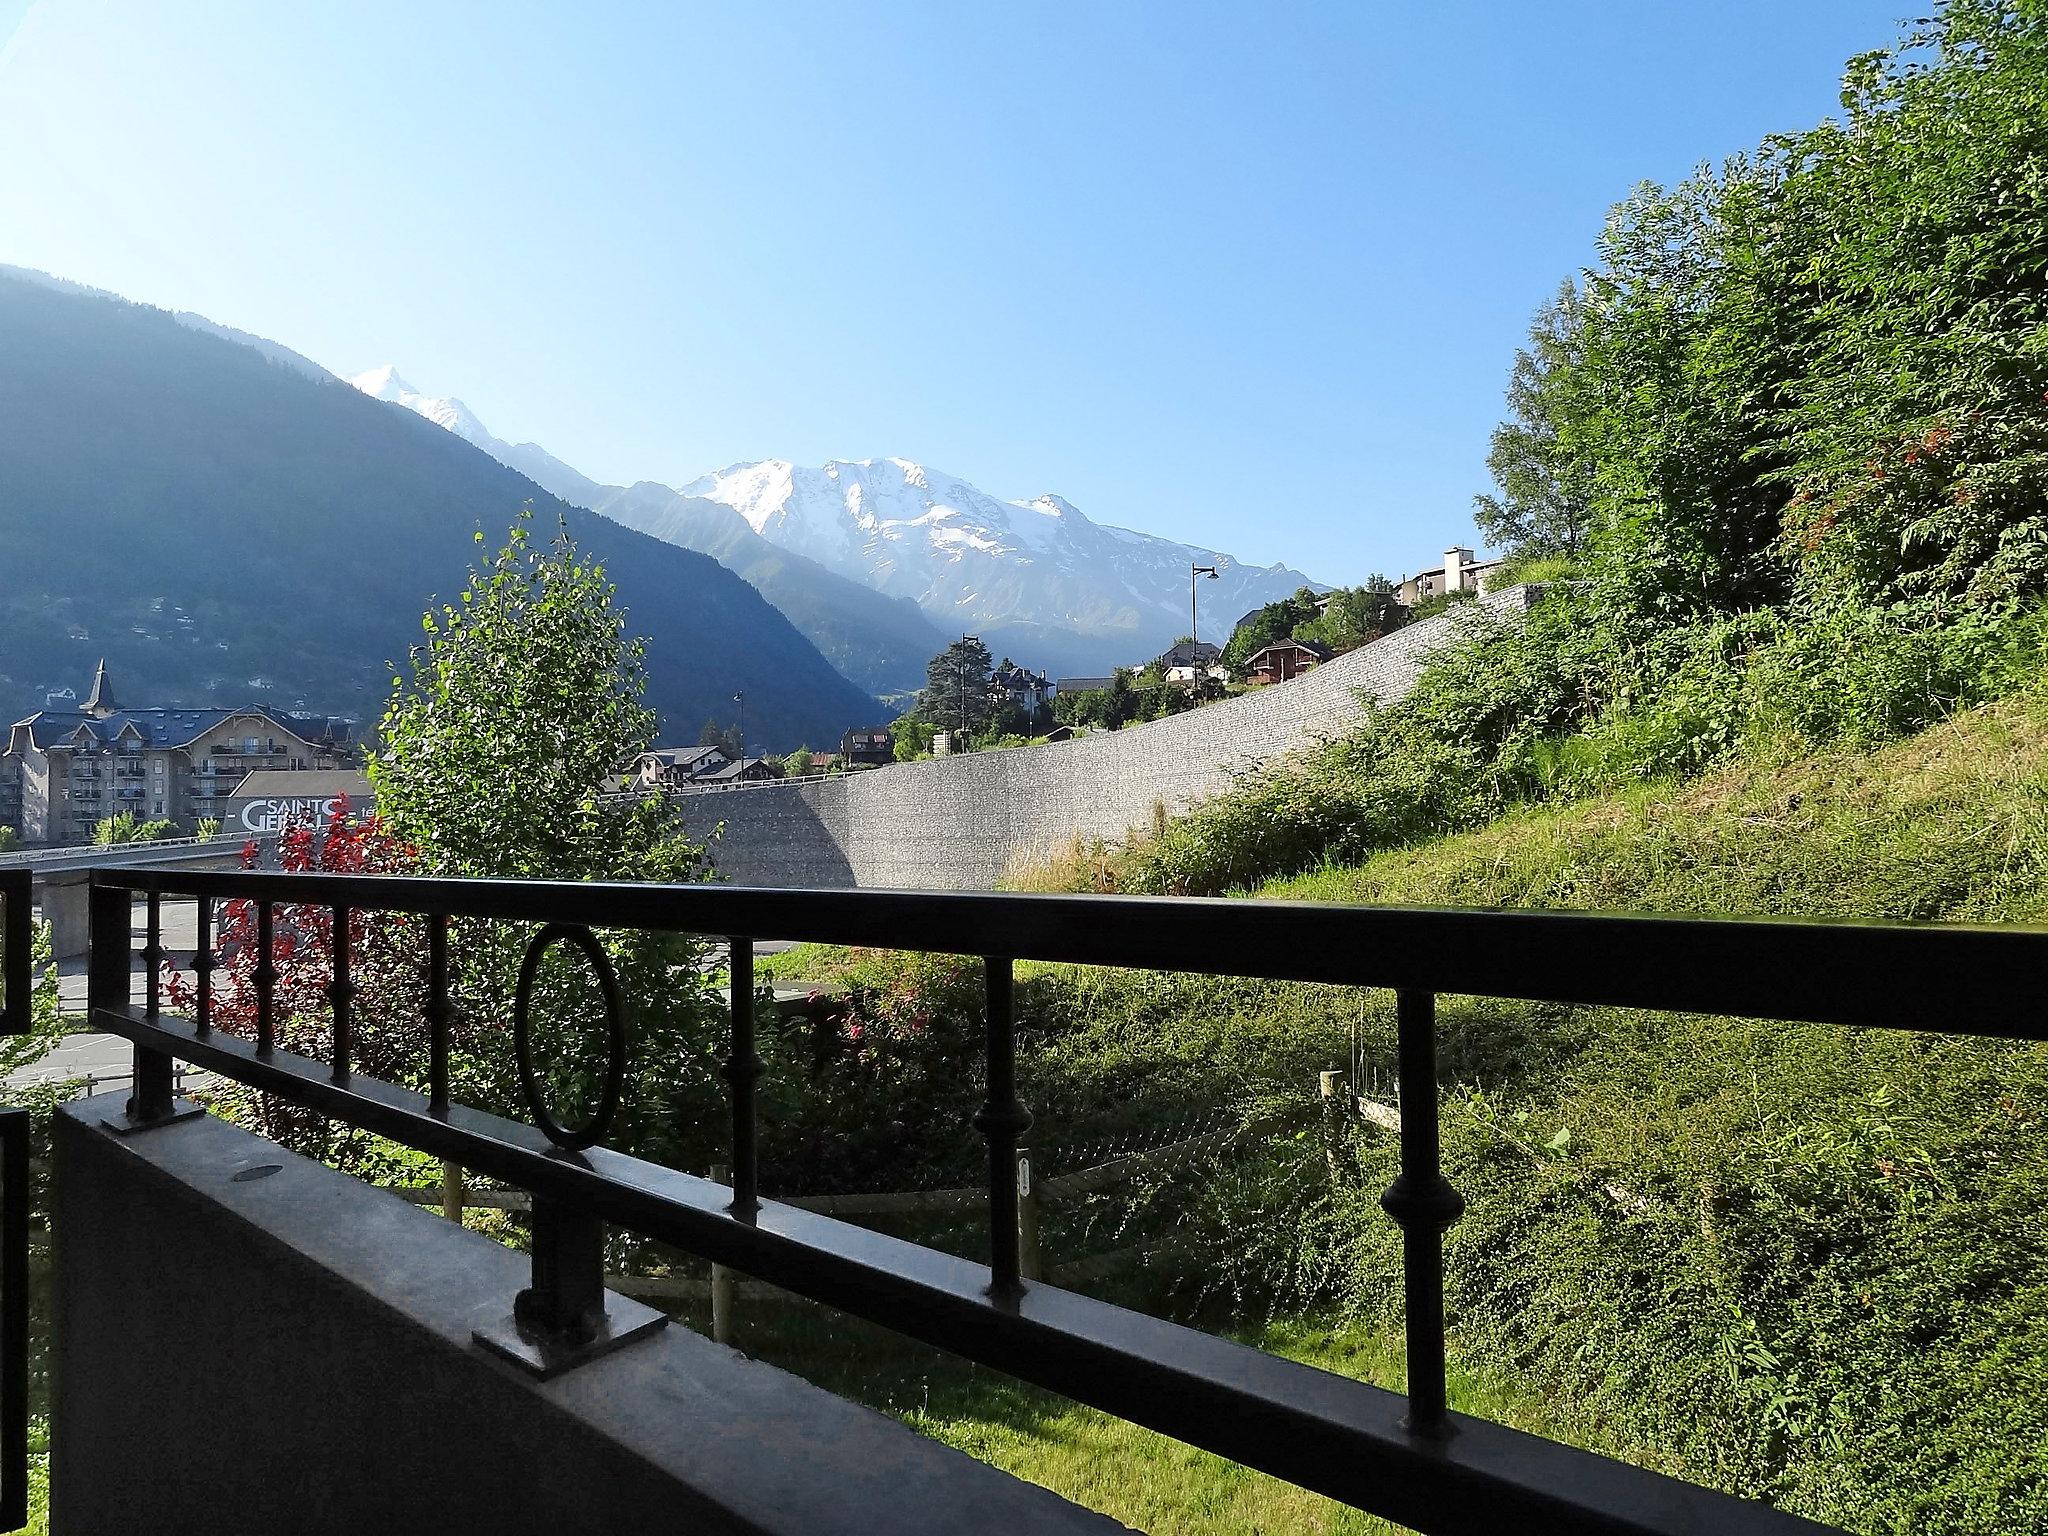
{"points": [[1332, 1088], [722, 1288], [452, 1194], [1028, 1263]]}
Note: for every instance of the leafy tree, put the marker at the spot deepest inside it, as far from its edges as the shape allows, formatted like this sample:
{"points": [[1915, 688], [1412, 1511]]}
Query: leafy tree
{"points": [[1545, 500], [1815, 372], [912, 734], [128, 828], [45, 1008], [1354, 616], [524, 698], [1343, 620], [9, 840], [725, 737], [956, 691]]}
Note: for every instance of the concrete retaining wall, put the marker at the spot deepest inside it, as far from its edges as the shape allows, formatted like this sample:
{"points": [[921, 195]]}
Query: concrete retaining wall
{"points": [[247, 1343], [964, 823]]}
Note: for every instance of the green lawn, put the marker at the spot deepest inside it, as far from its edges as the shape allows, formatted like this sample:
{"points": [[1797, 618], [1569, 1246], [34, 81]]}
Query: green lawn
{"points": [[1143, 1479]]}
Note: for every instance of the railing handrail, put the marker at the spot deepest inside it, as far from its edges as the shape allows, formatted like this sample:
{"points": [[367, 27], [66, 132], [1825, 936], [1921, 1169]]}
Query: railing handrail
{"points": [[1405, 1457], [688, 787], [69, 853], [1955, 978]]}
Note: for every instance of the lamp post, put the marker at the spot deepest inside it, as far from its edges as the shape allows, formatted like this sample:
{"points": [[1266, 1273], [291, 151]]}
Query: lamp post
{"points": [[740, 698], [1194, 628]]}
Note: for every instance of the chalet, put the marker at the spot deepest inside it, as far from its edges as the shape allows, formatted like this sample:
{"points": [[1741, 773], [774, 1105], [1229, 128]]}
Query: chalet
{"points": [[869, 747], [1284, 659], [1073, 685], [670, 767], [1187, 660], [1189, 654], [746, 770], [1010, 684]]}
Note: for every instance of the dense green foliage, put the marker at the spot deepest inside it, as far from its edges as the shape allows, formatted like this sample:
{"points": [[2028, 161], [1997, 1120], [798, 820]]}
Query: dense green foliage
{"points": [[1342, 620], [1803, 1263], [963, 696], [1547, 705], [1132, 698], [522, 700], [235, 501], [1793, 428], [1820, 368], [130, 828], [956, 687]]}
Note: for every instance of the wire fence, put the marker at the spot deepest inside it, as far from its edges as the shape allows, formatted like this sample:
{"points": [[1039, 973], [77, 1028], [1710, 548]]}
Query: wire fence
{"points": [[1108, 1212]]}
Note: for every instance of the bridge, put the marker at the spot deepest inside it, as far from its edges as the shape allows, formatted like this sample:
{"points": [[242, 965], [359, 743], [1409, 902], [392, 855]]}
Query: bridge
{"points": [[59, 875]]}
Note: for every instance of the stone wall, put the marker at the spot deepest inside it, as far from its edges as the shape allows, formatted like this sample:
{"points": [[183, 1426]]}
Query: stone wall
{"points": [[966, 822]]}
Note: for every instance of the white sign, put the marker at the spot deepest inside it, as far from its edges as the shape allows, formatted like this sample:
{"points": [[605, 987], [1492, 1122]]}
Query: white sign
{"points": [[275, 813]]}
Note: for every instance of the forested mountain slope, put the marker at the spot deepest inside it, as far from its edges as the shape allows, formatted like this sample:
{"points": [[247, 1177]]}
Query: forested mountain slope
{"points": [[224, 529]]}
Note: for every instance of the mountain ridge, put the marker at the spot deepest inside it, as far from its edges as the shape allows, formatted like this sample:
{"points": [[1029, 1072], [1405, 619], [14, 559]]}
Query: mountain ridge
{"points": [[228, 529], [1040, 576]]}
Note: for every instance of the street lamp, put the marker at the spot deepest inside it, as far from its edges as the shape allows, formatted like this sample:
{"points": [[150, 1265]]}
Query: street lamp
{"points": [[740, 699], [1194, 629]]}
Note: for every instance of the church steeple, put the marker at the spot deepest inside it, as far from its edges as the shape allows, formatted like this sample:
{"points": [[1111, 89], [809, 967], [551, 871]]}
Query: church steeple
{"points": [[101, 704]]}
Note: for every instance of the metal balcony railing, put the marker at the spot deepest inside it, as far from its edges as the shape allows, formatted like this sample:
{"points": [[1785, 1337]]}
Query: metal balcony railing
{"points": [[1403, 1456], [16, 996]]}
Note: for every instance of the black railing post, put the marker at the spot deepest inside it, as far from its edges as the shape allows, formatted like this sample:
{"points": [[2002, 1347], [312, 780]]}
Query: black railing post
{"points": [[1002, 1120], [1424, 1205], [152, 954], [266, 978], [14, 1284], [566, 1300], [109, 985], [440, 1013], [742, 1070], [202, 966], [17, 982], [341, 993]]}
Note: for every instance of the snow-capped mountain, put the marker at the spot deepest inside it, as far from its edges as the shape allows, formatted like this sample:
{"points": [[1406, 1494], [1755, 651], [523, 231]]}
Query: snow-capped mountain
{"points": [[969, 558], [530, 459], [1038, 577]]}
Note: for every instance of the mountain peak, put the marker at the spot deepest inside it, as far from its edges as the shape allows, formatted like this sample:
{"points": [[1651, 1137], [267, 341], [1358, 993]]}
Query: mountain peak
{"points": [[383, 384], [910, 530], [388, 385]]}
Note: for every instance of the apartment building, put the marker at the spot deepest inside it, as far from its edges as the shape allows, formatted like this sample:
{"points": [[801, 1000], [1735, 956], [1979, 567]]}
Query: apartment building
{"points": [[65, 770]]}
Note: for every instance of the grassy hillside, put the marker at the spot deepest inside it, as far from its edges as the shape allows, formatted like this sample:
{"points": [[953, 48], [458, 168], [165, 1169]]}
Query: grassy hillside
{"points": [[223, 528], [1800, 1263], [1952, 823]]}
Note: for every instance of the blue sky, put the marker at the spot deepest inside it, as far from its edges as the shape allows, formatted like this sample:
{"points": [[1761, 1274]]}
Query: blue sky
{"points": [[1248, 275]]}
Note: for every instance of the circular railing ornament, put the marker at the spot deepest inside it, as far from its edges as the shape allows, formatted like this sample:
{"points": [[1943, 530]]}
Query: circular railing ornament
{"points": [[593, 1131]]}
